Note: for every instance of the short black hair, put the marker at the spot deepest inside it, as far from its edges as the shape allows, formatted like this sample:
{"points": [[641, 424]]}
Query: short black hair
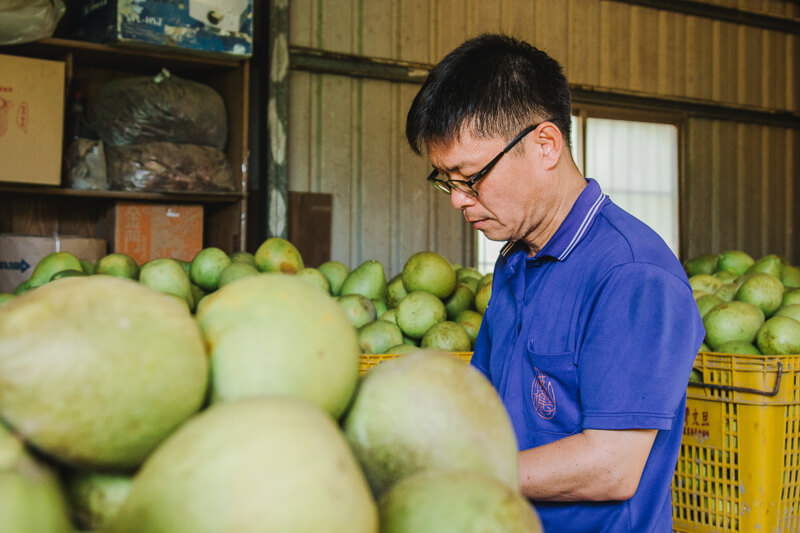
{"points": [[495, 86]]}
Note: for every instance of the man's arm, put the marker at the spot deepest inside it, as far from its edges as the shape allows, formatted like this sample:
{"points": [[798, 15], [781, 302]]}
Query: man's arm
{"points": [[596, 465]]}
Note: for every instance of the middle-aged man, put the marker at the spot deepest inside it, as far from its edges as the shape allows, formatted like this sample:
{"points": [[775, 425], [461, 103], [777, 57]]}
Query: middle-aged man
{"points": [[591, 331]]}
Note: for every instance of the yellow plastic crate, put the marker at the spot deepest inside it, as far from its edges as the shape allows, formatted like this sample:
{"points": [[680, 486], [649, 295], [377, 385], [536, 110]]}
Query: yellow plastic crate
{"points": [[739, 464], [369, 360]]}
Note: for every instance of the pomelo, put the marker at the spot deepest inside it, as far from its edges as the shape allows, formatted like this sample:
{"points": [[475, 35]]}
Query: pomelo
{"points": [[705, 282], [314, 277], [167, 276], [455, 501], [732, 321], [762, 290], [395, 291], [430, 272], [769, 264], [96, 497], [467, 272], [68, 274], [695, 376], [734, 261], [269, 464], [738, 347], [697, 294], [278, 255], [234, 271], [447, 336], [335, 272], [471, 283], [50, 264], [367, 279], [727, 292], [455, 421], [390, 315], [6, 297], [207, 266], [705, 303], [418, 312], [725, 276], [700, 264], [276, 334], [185, 265], [471, 322], [358, 309], [380, 306], [97, 371], [790, 276], [482, 298], [25, 286], [118, 265], [245, 258], [486, 280], [790, 296], [461, 299], [401, 348], [379, 335], [704, 348], [792, 311], [780, 335], [88, 266]]}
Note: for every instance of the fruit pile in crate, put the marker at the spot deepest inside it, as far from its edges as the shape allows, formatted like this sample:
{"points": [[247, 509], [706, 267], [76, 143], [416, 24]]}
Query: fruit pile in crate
{"points": [[749, 307], [223, 394]]}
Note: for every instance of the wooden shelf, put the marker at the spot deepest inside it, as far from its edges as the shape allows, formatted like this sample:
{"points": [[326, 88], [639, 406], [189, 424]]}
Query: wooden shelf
{"points": [[210, 197]]}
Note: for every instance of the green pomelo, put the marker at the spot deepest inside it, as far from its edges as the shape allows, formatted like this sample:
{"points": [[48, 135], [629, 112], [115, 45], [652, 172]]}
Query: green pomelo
{"points": [[461, 299], [278, 255], [25, 286], [166, 275], [31, 498], [790, 276], [402, 348], [447, 336], [792, 311], [707, 302], [418, 312], [376, 337], [358, 309], [276, 334], [197, 295], [52, 263], [314, 277], [390, 315], [762, 290], [273, 464], [410, 341], [335, 272], [206, 267], [380, 307], [87, 266], [732, 321], [467, 272], [130, 368], [705, 348], [725, 276], [769, 264], [701, 264], [118, 265], [790, 297], [96, 497], [6, 297], [395, 291], [455, 501], [727, 292], [245, 258], [236, 271], [699, 294], [734, 261], [780, 335], [471, 322], [705, 282], [695, 376], [430, 272], [462, 423], [367, 279], [482, 298], [738, 347], [68, 274], [486, 280], [471, 283]]}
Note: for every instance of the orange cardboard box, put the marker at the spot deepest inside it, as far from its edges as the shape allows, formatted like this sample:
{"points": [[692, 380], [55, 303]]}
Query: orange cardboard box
{"points": [[147, 231], [31, 119]]}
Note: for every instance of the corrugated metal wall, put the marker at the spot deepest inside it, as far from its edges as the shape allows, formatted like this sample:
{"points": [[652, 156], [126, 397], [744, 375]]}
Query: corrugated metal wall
{"points": [[346, 134]]}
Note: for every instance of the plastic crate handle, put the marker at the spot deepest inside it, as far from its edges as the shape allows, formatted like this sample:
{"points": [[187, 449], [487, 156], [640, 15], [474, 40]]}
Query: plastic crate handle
{"points": [[730, 388]]}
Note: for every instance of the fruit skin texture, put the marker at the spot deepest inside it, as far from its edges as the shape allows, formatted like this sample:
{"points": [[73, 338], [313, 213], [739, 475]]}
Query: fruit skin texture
{"points": [[762, 290], [780, 335], [426, 410], [96, 371], [276, 334], [732, 321], [429, 271], [207, 266], [418, 312], [278, 255], [251, 466], [367, 279], [455, 501]]}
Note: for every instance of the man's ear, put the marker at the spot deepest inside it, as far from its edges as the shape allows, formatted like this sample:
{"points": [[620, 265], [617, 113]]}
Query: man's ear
{"points": [[550, 143]]}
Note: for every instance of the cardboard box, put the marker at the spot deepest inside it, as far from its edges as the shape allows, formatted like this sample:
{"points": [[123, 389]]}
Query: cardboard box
{"points": [[147, 231], [209, 26], [19, 254], [31, 119]]}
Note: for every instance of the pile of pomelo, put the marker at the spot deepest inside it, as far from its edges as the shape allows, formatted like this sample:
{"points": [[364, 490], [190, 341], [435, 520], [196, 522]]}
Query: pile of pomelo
{"points": [[749, 306], [223, 394]]}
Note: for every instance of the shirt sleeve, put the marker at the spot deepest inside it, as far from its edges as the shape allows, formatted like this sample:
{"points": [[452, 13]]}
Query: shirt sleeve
{"points": [[641, 339], [480, 353]]}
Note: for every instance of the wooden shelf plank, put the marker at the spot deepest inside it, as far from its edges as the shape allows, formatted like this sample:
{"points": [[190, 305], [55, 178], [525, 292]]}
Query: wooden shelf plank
{"points": [[210, 197]]}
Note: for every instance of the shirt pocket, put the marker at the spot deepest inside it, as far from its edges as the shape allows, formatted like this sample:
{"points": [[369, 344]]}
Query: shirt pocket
{"points": [[553, 395]]}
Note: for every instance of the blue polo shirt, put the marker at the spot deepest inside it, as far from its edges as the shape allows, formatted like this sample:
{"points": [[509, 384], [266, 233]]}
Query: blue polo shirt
{"points": [[598, 331]]}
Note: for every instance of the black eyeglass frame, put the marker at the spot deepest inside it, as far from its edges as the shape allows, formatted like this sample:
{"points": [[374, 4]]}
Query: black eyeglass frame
{"points": [[446, 186]]}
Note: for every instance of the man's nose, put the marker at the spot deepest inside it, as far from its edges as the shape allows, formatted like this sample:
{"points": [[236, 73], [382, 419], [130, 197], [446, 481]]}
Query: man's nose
{"points": [[460, 200]]}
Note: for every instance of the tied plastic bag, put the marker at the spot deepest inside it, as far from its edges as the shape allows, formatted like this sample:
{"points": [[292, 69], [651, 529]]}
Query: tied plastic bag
{"points": [[22, 21], [168, 167], [164, 108], [86, 165]]}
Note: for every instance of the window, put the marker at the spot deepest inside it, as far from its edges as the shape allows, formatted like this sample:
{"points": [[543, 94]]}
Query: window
{"points": [[635, 163]]}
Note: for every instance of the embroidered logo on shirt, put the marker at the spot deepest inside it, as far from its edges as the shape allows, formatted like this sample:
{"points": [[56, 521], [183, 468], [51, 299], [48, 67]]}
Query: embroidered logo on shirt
{"points": [[544, 399]]}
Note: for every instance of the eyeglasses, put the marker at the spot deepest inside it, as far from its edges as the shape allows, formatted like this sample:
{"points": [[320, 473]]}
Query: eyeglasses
{"points": [[468, 186]]}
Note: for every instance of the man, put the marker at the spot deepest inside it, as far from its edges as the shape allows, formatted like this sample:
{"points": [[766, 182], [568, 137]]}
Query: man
{"points": [[592, 329]]}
